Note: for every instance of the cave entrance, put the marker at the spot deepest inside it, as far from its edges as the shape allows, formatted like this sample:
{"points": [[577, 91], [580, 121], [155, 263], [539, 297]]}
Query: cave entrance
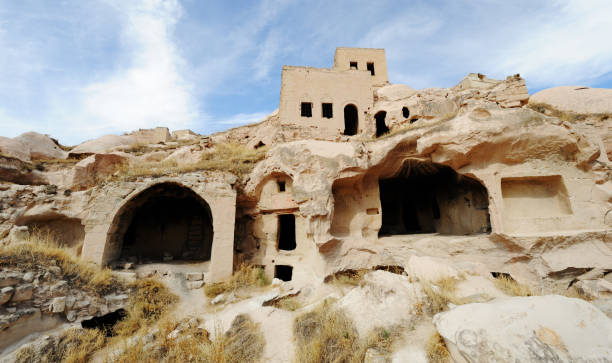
{"points": [[381, 126], [166, 222], [351, 120], [283, 272], [286, 232], [432, 198]]}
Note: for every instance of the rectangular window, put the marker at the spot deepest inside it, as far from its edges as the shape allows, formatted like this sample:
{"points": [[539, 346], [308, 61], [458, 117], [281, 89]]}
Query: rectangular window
{"points": [[371, 67], [306, 109], [353, 65], [327, 110], [281, 186]]}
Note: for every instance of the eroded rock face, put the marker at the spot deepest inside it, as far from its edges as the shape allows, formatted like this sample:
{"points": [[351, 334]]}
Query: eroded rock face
{"points": [[41, 146], [527, 329], [584, 100]]}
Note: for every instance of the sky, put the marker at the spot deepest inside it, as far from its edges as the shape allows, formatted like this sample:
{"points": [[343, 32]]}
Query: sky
{"points": [[79, 69]]}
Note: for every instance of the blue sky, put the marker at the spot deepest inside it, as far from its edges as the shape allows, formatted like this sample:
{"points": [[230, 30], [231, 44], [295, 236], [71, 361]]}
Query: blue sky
{"points": [[78, 69]]}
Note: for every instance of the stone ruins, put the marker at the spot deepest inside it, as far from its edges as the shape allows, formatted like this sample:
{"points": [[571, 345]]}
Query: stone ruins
{"points": [[471, 181]]}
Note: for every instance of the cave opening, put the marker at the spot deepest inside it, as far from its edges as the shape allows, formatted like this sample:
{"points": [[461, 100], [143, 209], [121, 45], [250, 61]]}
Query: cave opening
{"points": [[381, 126], [425, 197], [105, 322], [283, 272], [166, 222], [286, 232]]}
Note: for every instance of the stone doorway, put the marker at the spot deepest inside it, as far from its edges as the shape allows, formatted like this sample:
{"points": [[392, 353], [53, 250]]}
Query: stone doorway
{"points": [[351, 120]]}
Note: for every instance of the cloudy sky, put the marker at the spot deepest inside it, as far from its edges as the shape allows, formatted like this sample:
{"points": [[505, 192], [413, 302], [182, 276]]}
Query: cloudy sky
{"points": [[78, 69]]}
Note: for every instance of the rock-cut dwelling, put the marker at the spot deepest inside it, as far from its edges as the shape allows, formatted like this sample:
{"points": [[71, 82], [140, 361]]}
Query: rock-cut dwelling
{"points": [[470, 160]]}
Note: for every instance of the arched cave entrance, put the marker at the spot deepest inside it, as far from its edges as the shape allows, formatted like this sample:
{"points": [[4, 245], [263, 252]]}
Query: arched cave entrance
{"points": [[165, 222], [426, 197], [351, 120], [381, 126]]}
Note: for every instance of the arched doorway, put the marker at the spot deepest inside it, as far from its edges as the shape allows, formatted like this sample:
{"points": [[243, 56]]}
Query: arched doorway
{"points": [[165, 222], [381, 126], [351, 120]]}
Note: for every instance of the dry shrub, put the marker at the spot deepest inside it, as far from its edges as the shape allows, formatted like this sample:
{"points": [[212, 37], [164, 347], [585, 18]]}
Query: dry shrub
{"points": [[245, 276], [243, 342], [74, 345], [440, 293], [509, 286], [567, 115], [147, 304], [347, 277], [325, 334], [436, 349], [234, 158], [289, 303], [41, 250]]}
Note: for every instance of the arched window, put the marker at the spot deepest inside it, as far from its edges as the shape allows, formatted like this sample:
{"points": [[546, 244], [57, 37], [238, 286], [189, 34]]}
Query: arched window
{"points": [[351, 120]]}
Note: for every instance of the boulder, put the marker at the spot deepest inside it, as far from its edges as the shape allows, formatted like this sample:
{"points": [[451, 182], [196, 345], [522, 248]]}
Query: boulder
{"points": [[95, 168], [5, 294], [395, 92], [23, 293], [151, 136], [41, 146], [104, 144], [58, 305], [576, 99], [14, 148], [384, 298], [527, 329], [184, 135], [429, 269]]}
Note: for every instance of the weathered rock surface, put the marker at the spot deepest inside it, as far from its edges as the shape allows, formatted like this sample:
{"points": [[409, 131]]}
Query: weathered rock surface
{"points": [[577, 99], [527, 329], [14, 148], [41, 146], [385, 298], [96, 168]]}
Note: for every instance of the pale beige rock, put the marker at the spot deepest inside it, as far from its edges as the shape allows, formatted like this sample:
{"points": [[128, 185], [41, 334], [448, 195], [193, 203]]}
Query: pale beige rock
{"points": [[384, 298], [41, 146], [104, 144], [14, 148], [576, 99], [520, 328], [96, 168]]}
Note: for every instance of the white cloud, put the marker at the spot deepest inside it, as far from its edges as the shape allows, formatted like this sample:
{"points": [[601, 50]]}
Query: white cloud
{"points": [[151, 89], [574, 47], [243, 118]]}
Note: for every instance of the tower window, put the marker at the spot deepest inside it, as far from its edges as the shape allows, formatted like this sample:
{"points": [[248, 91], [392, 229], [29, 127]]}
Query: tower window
{"points": [[281, 186], [371, 67], [306, 109], [327, 110], [353, 65]]}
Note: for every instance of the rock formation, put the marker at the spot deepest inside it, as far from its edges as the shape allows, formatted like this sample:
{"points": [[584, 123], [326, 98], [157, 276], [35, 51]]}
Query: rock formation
{"points": [[424, 218]]}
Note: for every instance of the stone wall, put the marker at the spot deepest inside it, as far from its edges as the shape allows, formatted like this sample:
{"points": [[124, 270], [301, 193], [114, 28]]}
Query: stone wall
{"points": [[102, 244]]}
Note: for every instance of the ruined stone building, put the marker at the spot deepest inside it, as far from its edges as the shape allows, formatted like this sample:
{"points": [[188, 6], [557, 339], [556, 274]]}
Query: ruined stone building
{"points": [[469, 161]]}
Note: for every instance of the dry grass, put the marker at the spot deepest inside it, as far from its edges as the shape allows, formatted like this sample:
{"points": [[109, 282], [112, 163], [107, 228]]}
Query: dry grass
{"points": [[245, 276], [436, 350], [347, 277], [576, 293], [243, 342], [150, 300], [567, 115], [509, 286], [326, 334], [440, 293], [234, 158], [42, 250], [74, 345]]}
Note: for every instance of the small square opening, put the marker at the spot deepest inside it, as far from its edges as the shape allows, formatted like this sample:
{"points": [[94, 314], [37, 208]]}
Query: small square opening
{"points": [[281, 186], [306, 109], [327, 110], [353, 65], [370, 66], [283, 272]]}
